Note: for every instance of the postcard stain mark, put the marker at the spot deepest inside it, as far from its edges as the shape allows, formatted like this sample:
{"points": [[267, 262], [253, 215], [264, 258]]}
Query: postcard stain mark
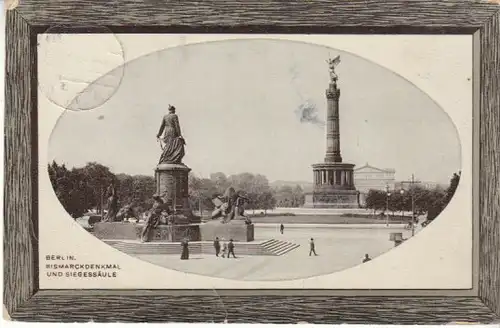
{"points": [[75, 80], [308, 113]]}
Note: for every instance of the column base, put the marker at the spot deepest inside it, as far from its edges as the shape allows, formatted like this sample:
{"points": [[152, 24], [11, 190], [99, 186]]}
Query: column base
{"points": [[333, 199]]}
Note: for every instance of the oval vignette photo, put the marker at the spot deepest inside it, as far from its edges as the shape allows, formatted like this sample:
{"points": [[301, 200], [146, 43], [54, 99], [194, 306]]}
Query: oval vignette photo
{"points": [[256, 160]]}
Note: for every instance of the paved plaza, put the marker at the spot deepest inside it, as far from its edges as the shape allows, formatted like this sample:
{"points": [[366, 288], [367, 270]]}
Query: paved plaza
{"points": [[338, 248]]}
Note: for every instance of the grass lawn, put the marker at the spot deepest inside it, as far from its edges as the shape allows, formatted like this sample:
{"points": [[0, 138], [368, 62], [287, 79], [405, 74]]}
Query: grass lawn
{"points": [[320, 219]]}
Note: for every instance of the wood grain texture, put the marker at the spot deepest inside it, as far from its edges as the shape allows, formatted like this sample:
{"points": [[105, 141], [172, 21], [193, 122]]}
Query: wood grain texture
{"points": [[19, 250], [69, 306], [355, 16], [489, 230], [274, 13]]}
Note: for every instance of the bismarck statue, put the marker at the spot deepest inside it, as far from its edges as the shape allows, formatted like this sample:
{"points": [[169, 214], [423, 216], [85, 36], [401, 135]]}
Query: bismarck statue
{"points": [[170, 219], [171, 201], [172, 143]]}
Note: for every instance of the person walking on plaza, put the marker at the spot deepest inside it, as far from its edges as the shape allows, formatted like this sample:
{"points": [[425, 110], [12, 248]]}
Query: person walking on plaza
{"points": [[367, 258], [312, 248], [224, 248], [230, 249], [217, 246], [282, 228]]}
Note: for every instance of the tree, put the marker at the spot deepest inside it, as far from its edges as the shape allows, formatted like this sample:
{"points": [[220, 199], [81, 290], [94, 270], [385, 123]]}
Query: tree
{"points": [[298, 196], [284, 196], [397, 202], [442, 198], [454, 181], [71, 189], [98, 177], [267, 201], [251, 185], [143, 189], [220, 181], [201, 192], [85, 188], [376, 200]]}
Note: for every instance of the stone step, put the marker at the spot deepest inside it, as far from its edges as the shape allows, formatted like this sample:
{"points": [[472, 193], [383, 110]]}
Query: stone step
{"points": [[279, 247], [276, 246], [267, 248], [269, 242], [288, 249]]}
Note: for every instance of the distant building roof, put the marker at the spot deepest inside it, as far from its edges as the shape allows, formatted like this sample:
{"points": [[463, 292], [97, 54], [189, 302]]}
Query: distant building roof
{"points": [[368, 166]]}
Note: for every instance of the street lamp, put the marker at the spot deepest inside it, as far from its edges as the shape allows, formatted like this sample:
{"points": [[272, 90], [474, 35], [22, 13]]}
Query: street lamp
{"points": [[387, 204], [412, 195]]}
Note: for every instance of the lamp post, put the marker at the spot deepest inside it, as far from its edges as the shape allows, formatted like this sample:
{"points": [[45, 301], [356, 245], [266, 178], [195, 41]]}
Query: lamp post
{"points": [[412, 211], [387, 204], [412, 195]]}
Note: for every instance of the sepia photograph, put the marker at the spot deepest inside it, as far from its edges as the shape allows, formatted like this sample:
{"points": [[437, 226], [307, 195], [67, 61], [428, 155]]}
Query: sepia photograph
{"points": [[254, 159], [318, 162]]}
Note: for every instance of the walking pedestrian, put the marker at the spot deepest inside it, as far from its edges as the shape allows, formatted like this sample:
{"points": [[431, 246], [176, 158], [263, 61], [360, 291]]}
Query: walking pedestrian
{"points": [[217, 246], [230, 249], [282, 228], [312, 248], [224, 248], [367, 258]]}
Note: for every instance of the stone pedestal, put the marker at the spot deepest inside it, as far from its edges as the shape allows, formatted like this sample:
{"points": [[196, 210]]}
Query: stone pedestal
{"points": [[333, 187], [172, 186], [237, 230], [335, 199], [132, 231]]}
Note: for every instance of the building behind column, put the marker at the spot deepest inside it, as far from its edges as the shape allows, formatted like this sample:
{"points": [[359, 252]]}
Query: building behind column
{"points": [[333, 180]]}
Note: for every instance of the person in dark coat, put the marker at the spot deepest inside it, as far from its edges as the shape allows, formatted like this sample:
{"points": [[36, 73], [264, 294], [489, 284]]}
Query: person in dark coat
{"points": [[367, 258], [230, 249], [312, 248], [282, 228], [185, 250], [217, 246]]}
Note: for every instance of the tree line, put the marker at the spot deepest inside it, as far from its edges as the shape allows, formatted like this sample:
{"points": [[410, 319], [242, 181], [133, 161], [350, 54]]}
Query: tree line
{"points": [[425, 200], [83, 189], [256, 187], [86, 188]]}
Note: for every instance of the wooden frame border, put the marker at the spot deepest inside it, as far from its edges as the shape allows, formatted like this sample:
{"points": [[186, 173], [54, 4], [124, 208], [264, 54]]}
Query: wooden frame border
{"points": [[22, 297]]}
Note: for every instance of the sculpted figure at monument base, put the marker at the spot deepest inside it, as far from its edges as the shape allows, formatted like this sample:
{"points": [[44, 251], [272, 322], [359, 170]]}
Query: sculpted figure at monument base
{"points": [[230, 206]]}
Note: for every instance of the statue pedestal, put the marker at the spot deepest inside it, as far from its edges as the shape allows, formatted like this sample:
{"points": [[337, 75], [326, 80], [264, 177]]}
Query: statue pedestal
{"points": [[237, 230], [333, 187], [172, 186], [132, 231]]}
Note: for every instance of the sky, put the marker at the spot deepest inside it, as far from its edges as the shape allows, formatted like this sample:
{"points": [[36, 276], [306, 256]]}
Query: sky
{"points": [[240, 104]]}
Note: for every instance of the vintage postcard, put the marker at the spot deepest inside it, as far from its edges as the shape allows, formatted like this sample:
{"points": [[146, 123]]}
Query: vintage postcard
{"points": [[256, 162]]}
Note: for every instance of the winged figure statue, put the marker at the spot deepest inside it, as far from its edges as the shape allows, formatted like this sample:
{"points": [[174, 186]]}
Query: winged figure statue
{"points": [[332, 63]]}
